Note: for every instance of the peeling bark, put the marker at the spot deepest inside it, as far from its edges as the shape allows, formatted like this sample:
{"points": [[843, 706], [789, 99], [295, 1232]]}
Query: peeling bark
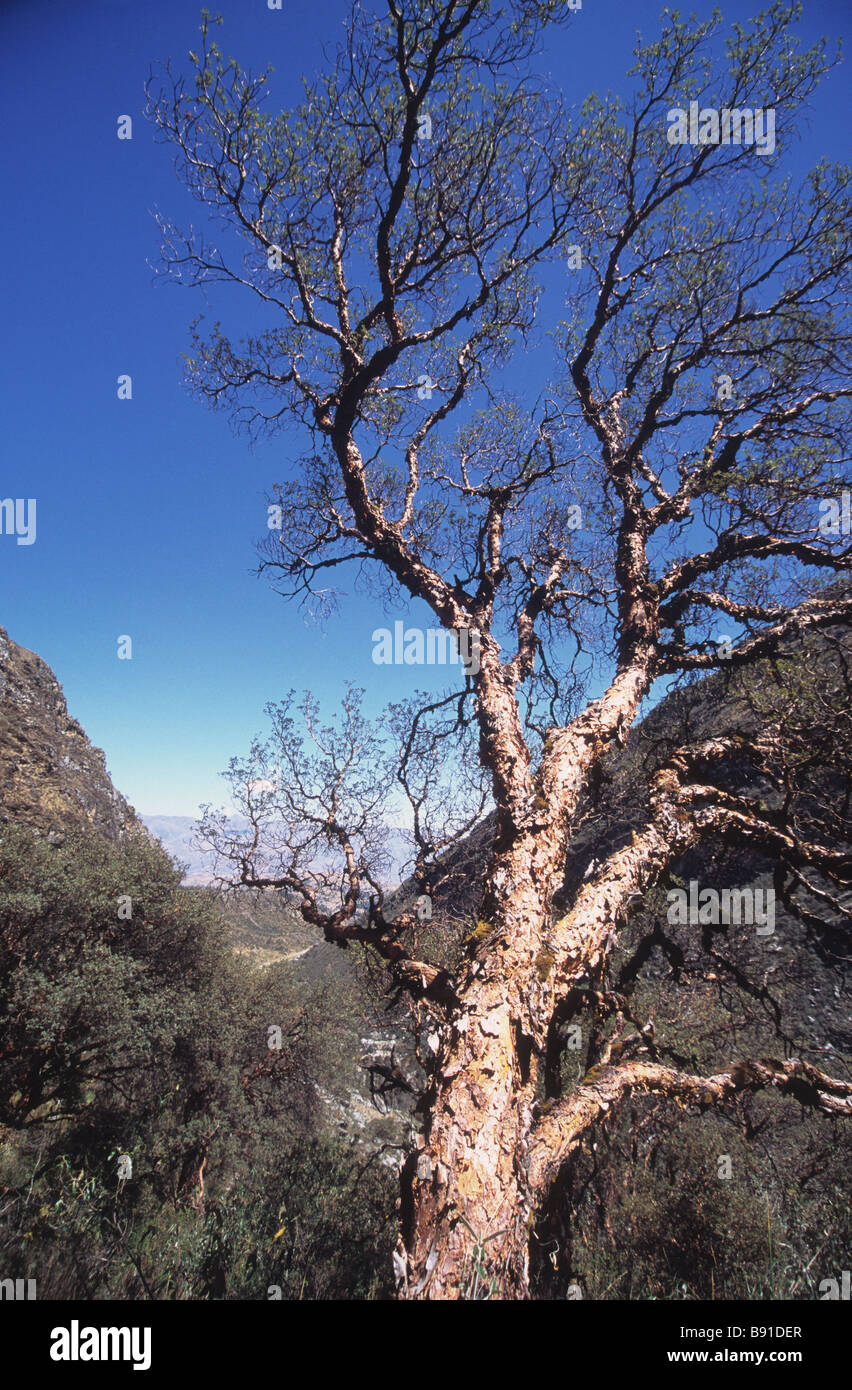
{"points": [[485, 1163], [469, 1179], [558, 1134]]}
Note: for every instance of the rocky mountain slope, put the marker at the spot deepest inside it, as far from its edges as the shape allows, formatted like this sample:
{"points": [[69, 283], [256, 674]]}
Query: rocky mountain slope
{"points": [[51, 776], [53, 779]]}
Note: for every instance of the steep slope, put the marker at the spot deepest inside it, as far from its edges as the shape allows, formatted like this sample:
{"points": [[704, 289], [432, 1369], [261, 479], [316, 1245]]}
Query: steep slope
{"points": [[54, 780], [51, 776]]}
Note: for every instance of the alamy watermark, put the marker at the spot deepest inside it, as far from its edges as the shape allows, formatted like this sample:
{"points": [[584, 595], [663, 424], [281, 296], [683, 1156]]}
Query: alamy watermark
{"points": [[833, 1290], [18, 518], [836, 515], [76, 1343], [413, 646], [18, 1289], [711, 125], [714, 907]]}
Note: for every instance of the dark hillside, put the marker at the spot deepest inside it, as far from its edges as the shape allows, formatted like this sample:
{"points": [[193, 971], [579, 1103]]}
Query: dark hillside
{"points": [[51, 777]]}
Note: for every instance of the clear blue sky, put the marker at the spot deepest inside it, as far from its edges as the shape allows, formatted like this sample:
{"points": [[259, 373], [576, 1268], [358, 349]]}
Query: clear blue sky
{"points": [[148, 509]]}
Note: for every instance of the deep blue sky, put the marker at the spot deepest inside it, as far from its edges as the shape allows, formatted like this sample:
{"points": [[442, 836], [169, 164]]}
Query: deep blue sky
{"points": [[148, 510]]}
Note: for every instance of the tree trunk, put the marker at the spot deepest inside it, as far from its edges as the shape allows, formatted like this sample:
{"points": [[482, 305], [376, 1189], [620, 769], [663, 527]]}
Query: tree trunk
{"points": [[467, 1207], [468, 1214]]}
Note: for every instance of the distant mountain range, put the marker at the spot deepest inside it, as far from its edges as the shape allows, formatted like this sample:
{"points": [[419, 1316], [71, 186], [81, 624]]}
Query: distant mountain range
{"points": [[177, 835]]}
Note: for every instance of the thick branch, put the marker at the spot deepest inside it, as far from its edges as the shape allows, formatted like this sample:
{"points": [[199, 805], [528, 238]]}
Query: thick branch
{"points": [[560, 1131]]}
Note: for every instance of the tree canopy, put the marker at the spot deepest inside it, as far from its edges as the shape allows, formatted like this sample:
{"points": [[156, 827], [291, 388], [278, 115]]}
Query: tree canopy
{"points": [[399, 232]]}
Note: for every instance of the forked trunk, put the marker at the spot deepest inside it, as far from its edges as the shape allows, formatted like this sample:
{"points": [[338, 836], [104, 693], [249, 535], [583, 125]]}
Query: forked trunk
{"points": [[467, 1206]]}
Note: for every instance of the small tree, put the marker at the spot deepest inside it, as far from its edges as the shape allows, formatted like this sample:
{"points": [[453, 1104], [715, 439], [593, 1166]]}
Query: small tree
{"points": [[394, 228]]}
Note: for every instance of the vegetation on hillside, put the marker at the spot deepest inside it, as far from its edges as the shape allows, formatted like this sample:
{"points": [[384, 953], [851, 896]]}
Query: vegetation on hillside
{"points": [[133, 1027], [152, 1142]]}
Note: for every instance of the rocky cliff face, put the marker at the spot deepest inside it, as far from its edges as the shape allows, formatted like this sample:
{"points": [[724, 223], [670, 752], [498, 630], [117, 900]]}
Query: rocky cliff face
{"points": [[51, 777]]}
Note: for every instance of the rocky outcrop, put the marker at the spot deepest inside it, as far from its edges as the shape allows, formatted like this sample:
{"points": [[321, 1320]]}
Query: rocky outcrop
{"points": [[51, 776]]}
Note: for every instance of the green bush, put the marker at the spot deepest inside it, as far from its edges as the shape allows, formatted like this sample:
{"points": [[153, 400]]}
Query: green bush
{"points": [[144, 1036]]}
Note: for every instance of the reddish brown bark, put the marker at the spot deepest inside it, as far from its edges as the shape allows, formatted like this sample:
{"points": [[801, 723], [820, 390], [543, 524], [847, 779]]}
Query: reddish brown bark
{"points": [[485, 1161], [469, 1183]]}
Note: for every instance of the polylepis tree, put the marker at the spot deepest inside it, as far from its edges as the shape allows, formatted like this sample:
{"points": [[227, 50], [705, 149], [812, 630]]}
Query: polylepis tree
{"points": [[399, 232]]}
